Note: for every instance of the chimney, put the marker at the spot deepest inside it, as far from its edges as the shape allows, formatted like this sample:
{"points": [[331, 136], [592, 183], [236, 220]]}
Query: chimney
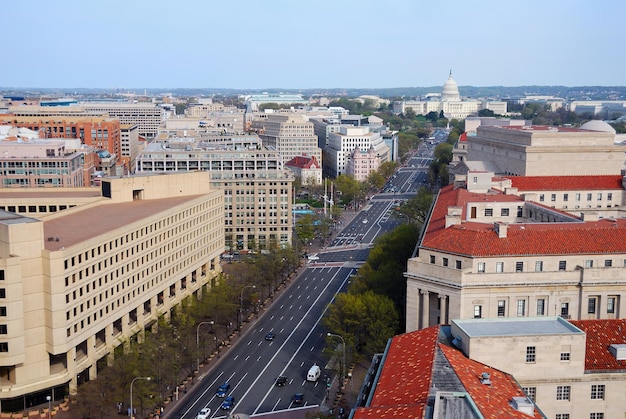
{"points": [[500, 228], [453, 217]]}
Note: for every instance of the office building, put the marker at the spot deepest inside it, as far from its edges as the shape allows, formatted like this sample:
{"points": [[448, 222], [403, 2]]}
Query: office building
{"points": [[82, 271]]}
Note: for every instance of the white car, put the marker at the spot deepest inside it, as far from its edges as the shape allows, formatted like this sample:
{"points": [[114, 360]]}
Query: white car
{"points": [[204, 413], [313, 257], [365, 221]]}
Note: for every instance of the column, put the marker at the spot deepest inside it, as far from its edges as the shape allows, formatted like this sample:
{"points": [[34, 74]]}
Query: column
{"points": [[425, 309], [443, 309]]}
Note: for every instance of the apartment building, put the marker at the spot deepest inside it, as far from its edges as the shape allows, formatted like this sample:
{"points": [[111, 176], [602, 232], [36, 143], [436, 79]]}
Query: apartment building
{"points": [[84, 272], [257, 187]]}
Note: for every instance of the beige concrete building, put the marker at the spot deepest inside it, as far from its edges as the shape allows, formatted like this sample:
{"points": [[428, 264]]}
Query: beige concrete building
{"points": [[572, 370], [257, 187], [85, 270], [341, 145]]}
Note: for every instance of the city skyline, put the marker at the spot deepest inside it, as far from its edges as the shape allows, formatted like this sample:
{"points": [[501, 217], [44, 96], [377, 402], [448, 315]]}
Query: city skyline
{"points": [[287, 45]]}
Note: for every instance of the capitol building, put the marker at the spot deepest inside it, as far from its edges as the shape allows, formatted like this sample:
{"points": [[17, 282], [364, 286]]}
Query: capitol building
{"points": [[450, 103]]}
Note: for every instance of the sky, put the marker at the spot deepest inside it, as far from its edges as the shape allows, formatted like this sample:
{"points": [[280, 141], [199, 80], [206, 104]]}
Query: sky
{"points": [[302, 44]]}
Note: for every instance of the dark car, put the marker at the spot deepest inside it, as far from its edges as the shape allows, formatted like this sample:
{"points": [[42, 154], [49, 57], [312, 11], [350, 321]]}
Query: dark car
{"points": [[281, 381], [222, 390], [270, 336], [228, 403], [298, 398]]}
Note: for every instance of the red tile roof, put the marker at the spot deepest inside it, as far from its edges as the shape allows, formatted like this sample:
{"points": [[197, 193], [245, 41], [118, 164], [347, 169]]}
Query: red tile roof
{"points": [[405, 382], [493, 400], [600, 335], [304, 162], [480, 239], [567, 183]]}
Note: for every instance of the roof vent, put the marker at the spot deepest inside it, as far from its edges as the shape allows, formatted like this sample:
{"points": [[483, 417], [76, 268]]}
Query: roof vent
{"points": [[523, 404], [618, 350], [485, 378]]}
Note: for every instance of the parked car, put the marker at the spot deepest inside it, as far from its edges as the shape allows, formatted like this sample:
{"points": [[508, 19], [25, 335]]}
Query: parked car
{"points": [[222, 390], [228, 403]]}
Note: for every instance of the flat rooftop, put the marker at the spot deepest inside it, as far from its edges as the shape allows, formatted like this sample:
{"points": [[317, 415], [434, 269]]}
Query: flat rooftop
{"points": [[521, 326]]}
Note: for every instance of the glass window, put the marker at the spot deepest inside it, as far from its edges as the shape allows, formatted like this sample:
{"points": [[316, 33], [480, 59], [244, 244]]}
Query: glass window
{"points": [[591, 305], [445, 261], [541, 198], [541, 306], [520, 211], [499, 266], [538, 266], [565, 356], [562, 416], [519, 266], [562, 392], [504, 212], [457, 264], [481, 267], [553, 197], [565, 197], [596, 415], [531, 392], [562, 265], [531, 352], [432, 258], [597, 391], [565, 309], [609, 196], [501, 308], [521, 308], [599, 198], [577, 197], [488, 212], [610, 305], [478, 312], [589, 196], [589, 263], [608, 263]]}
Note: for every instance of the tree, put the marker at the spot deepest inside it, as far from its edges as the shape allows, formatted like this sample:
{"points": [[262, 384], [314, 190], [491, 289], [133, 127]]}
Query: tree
{"points": [[376, 180], [486, 113], [388, 168], [416, 209], [305, 228], [349, 188]]}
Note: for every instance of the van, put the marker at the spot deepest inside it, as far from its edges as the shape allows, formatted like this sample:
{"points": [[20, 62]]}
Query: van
{"points": [[314, 373]]}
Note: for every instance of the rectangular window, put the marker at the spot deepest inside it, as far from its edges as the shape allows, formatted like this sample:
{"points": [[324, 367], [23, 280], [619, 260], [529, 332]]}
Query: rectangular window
{"points": [[504, 212], [596, 415], [589, 263], [519, 266], [499, 266], [531, 353], [3, 293], [565, 310], [591, 305], [565, 356], [610, 305], [488, 212], [457, 264], [609, 196], [562, 392], [531, 392], [478, 312], [432, 258], [599, 198], [608, 263], [577, 197], [562, 416], [521, 308], [445, 261], [553, 197], [541, 307], [3, 329], [597, 392], [538, 266], [520, 211], [565, 197], [4, 347], [562, 265], [501, 308], [589, 196], [481, 267]]}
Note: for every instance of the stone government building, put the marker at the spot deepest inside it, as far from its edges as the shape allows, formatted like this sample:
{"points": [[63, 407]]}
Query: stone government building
{"points": [[84, 271]]}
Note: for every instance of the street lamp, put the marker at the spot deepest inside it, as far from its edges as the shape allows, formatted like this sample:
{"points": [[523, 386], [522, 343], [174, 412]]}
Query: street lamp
{"points": [[198, 341], [49, 405], [239, 320], [131, 393], [344, 354]]}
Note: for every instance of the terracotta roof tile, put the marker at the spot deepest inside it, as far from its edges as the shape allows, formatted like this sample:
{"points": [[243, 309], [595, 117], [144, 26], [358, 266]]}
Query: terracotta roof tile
{"points": [[600, 335], [566, 183]]}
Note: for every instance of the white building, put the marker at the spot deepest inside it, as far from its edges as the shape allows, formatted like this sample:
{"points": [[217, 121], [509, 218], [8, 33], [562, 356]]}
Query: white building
{"points": [[342, 144]]}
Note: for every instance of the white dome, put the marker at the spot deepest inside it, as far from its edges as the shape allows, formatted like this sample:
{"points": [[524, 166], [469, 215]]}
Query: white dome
{"points": [[595, 125], [450, 89]]}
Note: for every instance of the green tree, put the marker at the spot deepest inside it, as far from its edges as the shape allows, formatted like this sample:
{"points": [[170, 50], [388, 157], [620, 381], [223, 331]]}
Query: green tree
{"points": [[388, 168], [376, 180], [305, 228], [349, 187], [416, 209]]}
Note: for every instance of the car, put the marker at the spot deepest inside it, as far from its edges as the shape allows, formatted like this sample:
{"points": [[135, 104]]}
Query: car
{"points": [[281, 381], [228, 403], [298, 398], [222, 390], [204, 413], [313, 257], [270, 336], [365, 221]]}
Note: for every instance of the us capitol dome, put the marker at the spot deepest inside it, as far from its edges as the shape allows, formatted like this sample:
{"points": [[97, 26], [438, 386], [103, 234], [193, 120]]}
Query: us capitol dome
{"points": [[450, 89]]}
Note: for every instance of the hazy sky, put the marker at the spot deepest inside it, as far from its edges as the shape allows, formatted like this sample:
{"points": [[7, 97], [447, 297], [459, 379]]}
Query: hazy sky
{"points": [[256, 44]]}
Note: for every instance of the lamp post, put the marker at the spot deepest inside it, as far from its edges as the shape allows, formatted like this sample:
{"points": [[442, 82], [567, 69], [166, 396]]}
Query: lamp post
{"points": [[132, 412], [343, 364], [239, 319], [49, 405], [198, 341]]}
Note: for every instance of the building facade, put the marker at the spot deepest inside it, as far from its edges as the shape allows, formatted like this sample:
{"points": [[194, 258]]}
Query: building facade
{"points": [[361, 163], [132, 254], [341, 146], [256, 186]]}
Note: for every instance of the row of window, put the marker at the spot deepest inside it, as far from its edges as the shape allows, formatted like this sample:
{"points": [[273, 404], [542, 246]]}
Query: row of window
{"points": [[577, 197], [597, 392], [539, 265], [531, 354]]}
